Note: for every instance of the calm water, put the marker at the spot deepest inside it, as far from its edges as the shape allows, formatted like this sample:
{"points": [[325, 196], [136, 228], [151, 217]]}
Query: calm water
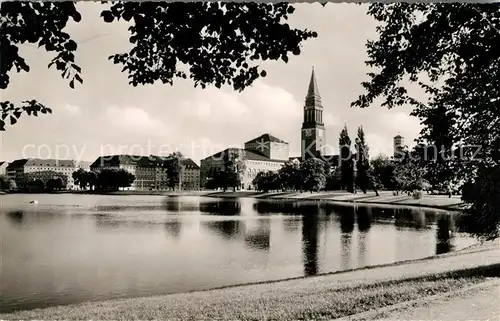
{"points": [[74, 248]]}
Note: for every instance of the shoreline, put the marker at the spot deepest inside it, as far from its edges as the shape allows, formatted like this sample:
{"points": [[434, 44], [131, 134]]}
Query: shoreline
{"points": [[437, 202]]}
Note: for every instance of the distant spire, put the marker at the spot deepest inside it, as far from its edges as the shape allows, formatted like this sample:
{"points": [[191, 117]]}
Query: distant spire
{"points": [[313, 86]]}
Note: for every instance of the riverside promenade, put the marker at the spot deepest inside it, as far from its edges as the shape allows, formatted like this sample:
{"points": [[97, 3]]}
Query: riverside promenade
{"points": [[479, 304], [283, 300]]}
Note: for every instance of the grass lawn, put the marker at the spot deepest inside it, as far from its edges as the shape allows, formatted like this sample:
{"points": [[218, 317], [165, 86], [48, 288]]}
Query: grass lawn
{"points": [[246, 304]]}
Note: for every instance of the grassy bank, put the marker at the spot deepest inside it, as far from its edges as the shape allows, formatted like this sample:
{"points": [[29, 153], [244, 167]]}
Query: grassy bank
{"points": [[385, 197], [323, 303]]}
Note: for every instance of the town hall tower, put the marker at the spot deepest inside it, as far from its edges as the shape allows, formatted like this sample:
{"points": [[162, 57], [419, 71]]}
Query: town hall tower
{"points": [[313, 128]]}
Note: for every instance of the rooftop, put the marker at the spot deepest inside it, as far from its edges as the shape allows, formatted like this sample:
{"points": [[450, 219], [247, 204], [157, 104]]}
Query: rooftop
{"points": [[189, 163], [245, 153], [140, 161], [50, 162], [18, 162], [116, 160], [313, 86], [43, 162], [266, 138]]}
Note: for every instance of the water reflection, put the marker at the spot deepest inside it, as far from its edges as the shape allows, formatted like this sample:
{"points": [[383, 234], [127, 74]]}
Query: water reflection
{"points": [[221, 207], [227, 229], [310, 235], [16, 217], [242, 241], [173, 204], [364, 218], [362, 249], [258, 234], [412, 218], [444, 234], [285, 207], [173, 228], [347, 220]]}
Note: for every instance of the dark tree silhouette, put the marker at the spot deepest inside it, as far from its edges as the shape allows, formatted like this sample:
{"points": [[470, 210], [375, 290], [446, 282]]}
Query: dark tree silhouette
{"points": [[54, 184], [313, 173], [113, 179], [82, 178], [267, 181], [346, 161], [233, 170], [382, 172], [362, 161], [220, 42], [451, 51], [173, 169], [290, 176]]}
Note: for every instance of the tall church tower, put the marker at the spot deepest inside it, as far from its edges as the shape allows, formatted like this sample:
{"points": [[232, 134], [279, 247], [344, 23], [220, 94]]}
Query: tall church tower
{"points": [[313, 129]]}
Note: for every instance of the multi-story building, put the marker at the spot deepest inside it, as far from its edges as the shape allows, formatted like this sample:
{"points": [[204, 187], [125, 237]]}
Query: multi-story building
{"points": [[261, 154], [3, 168], [313, 128], [15, 171], [190, 175], [29, 169], [45, 169], [83, 165], [126, 162], [270, 147], [149, 171], [398, 145]]}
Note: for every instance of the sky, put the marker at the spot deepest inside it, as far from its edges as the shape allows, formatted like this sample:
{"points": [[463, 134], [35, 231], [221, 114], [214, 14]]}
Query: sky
{"points": [[105, 115]]}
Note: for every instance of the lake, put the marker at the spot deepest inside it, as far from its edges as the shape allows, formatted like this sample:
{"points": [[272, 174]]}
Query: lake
{"points": [[75, 248]]}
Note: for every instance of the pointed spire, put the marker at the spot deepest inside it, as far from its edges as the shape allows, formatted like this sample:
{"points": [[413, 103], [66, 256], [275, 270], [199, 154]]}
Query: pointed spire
{"points": [[313, 86]]}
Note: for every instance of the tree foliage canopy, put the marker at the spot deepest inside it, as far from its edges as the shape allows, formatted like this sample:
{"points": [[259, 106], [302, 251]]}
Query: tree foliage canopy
{"points": [[314, 172], [451, 51], [220, 43], [346, 160], [362, 161], [173, 169], [267, 181]]}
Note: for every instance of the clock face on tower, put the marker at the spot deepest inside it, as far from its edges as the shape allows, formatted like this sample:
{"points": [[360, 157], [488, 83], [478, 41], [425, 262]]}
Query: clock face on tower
{"points": [[308, 132]]}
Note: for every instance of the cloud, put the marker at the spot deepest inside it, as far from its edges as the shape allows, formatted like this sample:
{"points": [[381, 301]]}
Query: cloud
{"points": [[379, 144], [213, 105], [330, 120], [232, 118], [401, 121], [72, 109], [133, 119], [107, 110]]}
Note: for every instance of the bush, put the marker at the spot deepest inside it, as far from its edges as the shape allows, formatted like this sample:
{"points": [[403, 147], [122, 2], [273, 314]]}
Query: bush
{"points": [[417, 194], [482, 218]]}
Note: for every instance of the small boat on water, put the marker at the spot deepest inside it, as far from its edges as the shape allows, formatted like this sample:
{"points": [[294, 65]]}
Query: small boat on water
{"points": [[34, 202]]}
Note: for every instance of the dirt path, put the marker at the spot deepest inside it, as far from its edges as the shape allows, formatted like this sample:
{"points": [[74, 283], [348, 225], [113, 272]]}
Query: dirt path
{"points": [[478, 304]]}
